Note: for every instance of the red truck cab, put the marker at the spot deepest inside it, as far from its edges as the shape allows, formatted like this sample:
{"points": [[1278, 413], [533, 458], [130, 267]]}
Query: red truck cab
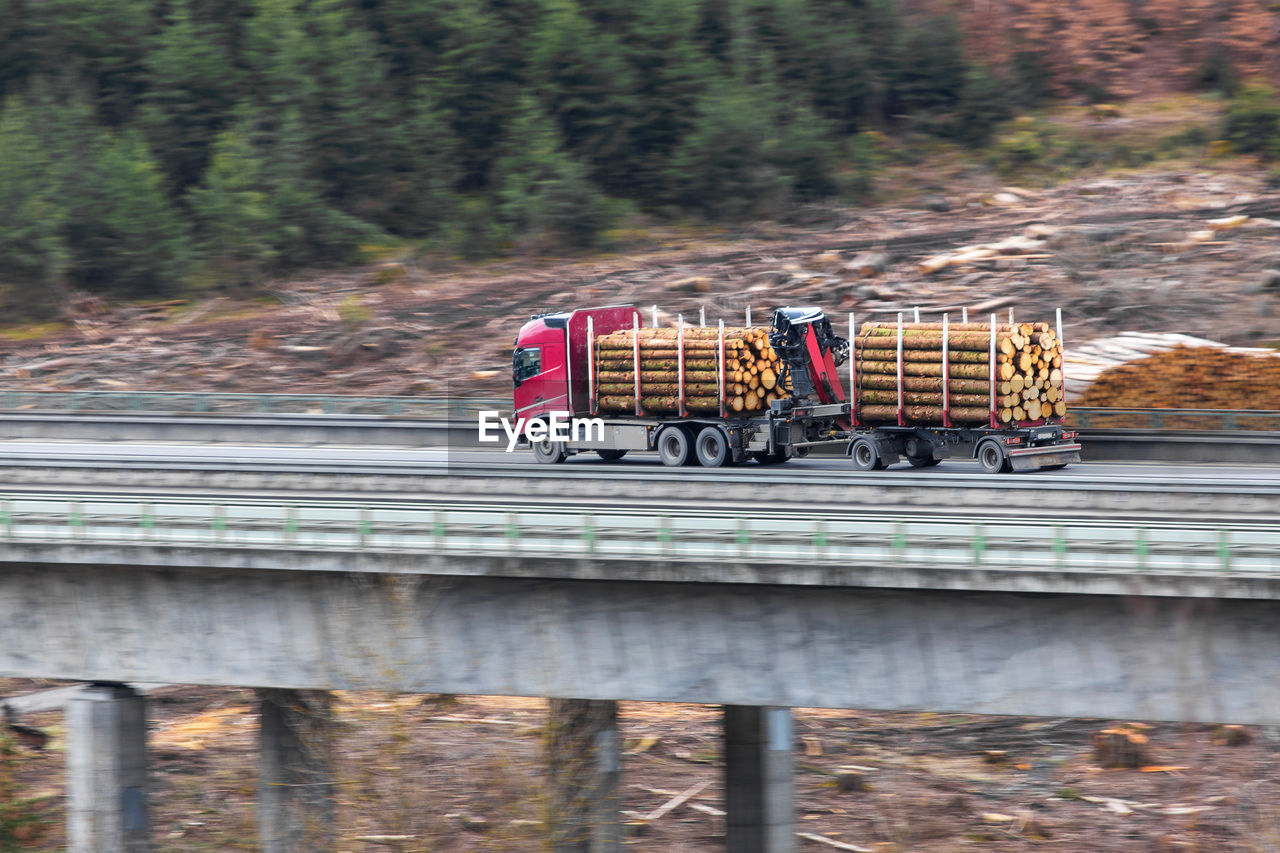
{"points": [[550, 365]]}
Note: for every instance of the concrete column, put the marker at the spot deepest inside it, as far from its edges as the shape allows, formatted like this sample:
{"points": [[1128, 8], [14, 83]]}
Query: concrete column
{"points": [[759, 788], [295, 780], [107, 771], [585, 761]]}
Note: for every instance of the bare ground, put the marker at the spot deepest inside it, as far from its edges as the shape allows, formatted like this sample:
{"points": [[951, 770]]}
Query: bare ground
{"points": [[465, 774]]}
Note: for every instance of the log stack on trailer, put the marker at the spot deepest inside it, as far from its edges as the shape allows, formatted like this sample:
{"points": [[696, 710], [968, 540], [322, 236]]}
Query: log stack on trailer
{"points": [[727, 371], [1011, 377]]}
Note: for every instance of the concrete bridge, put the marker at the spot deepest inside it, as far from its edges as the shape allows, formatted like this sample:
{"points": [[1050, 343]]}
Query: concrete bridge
{"points": [[1136, 619]]}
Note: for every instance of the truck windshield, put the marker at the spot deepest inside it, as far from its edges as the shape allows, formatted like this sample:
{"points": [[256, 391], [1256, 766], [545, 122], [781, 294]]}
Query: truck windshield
{"points": [[526, 363]]}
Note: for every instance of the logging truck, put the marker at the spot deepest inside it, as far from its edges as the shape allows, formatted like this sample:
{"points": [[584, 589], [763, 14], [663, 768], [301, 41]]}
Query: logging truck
{"points": [[724, 395]]}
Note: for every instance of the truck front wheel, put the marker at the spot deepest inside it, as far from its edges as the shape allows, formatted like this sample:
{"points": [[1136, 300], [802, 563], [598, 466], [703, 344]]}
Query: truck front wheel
{"points": [[673, 447], [712, 447], [549, 452]]}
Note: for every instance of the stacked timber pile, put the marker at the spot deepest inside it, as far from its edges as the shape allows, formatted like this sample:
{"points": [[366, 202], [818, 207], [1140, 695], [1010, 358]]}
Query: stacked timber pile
{"points": [[1028, 373], [753, 376], [1191, 378]]}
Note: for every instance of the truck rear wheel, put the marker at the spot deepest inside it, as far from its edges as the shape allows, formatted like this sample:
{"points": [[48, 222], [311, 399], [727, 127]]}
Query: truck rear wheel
{"points": [[712, 447], [549, 452], [992, 458], [611, 455], [673, 447], [922, 461], [865, 455]]}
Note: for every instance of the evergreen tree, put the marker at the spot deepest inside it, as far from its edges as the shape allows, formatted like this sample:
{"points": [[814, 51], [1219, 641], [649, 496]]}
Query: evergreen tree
{"points": [[33, 253], [192, 85], [233, 212], [721, 168], [425, 165], [123, 234], [101, 42], [930, 68], [543, 194], [668, 73], [584, 82]]}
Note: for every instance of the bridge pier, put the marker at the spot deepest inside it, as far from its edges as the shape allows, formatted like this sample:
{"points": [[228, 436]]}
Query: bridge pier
{"points": [[759, 788], [295, 778], [584, 757], [107, 771]]}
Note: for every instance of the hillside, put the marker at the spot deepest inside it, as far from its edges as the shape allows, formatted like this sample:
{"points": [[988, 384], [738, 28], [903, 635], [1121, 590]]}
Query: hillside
{"points": [[1115, 252]]}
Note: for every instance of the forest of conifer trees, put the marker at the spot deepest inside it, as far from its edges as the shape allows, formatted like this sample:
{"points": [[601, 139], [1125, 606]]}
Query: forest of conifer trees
{"points": [[152, 145]]}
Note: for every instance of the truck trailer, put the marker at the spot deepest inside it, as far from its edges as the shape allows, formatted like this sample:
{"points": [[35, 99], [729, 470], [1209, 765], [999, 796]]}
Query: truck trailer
{"points": [[680, 392]]}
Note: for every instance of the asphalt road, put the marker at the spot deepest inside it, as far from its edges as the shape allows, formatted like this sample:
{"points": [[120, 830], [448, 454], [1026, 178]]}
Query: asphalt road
{"points": [[441, 461]]}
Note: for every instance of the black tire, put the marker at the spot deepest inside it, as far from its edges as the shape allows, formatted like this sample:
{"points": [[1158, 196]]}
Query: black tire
{"points": [[549, 452], [865, 456], [673, 447], [991, 457], [611, 455], [1057, 467], [922, 461], [763, 457], [712, 447]]}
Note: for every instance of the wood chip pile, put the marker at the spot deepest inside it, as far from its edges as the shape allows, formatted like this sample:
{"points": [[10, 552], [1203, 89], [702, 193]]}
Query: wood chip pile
{"points": [[754, 376], [1028, 373]]}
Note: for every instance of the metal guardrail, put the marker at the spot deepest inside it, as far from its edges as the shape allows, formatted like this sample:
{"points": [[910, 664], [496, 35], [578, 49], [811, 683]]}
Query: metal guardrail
{"points": [[531, 532], [217, 403], [1171, 419], [465, 408]]}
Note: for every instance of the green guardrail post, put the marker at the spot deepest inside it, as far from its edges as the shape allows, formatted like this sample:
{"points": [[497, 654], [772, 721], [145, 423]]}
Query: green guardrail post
{"points": [[219, 522], [743, 536], [820, 535], [979, 544], [365, 529], [147, 521], [437, 527], [75, 519], [1224, 550], [589, 531], [899, 542], [513, 530], [1141, 547], [291, 524], [664, 532], [1059, 547], [6, 518]]}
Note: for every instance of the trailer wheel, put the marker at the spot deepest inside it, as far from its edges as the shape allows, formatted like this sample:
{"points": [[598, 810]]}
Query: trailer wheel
{"points": [[712, 447], [922, 461], [992, 458], [549, 452], [865, 456], [673, 447], [611, 455]]}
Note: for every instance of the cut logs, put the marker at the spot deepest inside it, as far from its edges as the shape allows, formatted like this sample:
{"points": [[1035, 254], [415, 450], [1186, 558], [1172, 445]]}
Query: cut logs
{"points": [[1189, 378], [1027, 365], [752, 377]]}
